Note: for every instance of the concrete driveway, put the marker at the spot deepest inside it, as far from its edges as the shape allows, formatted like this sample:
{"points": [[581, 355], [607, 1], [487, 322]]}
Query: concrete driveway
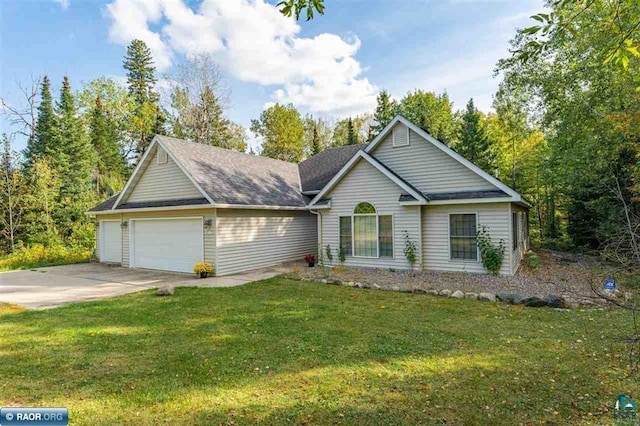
{"points": [[59, 285]]}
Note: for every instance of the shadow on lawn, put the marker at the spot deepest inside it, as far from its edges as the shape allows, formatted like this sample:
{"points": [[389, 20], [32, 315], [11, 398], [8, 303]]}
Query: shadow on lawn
{"points": [[299, 352]]}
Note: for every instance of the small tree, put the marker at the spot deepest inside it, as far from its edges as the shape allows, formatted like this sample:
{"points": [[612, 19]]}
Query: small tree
{"points": [[410, 249], [328, 252], [492, 256], [11, 191]]}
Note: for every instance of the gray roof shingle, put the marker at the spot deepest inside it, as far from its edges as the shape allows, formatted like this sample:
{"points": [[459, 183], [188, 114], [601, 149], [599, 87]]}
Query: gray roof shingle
{"points": [[230, 177], [317, 171], [465, 194]]}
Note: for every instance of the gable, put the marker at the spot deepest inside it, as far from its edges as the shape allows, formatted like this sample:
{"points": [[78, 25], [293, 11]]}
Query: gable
{"points": [[425, 166], [160, 181], [364, 183]]}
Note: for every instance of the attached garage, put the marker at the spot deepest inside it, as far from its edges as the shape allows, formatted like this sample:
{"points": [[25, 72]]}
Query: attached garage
{"points": [[167, 244], [110, 240]]}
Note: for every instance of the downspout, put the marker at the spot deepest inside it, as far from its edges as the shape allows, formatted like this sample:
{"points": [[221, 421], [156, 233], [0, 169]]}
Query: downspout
{"points": [[317, 213]]}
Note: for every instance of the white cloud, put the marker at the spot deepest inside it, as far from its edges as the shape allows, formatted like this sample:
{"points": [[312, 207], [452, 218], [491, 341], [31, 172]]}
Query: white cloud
{"points": [[254, 43], [64, 4]]}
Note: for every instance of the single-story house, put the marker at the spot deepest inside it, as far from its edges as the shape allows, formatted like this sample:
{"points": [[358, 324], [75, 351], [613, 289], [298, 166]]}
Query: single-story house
{"points": [[187, 202]]}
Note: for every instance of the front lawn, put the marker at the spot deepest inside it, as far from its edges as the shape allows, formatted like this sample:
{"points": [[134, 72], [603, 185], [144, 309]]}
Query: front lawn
{"points": [[282, 351]]}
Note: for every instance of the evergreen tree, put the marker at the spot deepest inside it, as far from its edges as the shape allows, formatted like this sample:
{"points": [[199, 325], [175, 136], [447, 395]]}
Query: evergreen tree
{"points": [[104, 139], [385, 111], [148, 118], [352, 137], [42, 142], [474, 145], [315, 141]]}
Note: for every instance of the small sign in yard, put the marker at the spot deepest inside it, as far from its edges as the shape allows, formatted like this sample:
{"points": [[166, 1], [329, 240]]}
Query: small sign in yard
{"points": [[609, 284]]}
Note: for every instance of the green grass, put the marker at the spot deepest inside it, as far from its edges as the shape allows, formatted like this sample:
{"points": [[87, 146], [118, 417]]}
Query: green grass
{"points": [[282, 351], [38, 256]]}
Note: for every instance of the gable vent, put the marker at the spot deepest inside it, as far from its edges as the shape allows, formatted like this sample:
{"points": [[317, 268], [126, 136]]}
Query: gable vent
{"points": [[400, 135], [161, 156]]}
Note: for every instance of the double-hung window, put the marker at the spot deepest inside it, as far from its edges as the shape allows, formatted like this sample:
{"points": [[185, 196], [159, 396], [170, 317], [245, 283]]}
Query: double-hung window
{"points": [[514, 230], [366, 234], [462, 237]]}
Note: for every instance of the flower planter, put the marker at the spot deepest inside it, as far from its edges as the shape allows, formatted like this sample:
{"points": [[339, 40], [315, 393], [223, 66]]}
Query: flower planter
{"points": [[312, 264], [204, 274]]}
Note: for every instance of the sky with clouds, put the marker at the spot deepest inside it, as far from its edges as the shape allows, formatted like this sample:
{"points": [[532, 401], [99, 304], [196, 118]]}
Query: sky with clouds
{"points": [[332, 66]]}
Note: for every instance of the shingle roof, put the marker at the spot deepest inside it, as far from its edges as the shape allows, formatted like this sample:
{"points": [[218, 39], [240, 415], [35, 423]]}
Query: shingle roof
{"points": [[106, 204], [465, 194], [317, 171], [230, 177]]}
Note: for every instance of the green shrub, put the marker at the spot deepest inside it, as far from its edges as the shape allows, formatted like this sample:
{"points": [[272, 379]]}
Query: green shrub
{"points": [[410, 249], [329, 254], [342, 256], [38, 255], [492, 256], [532, 260]]}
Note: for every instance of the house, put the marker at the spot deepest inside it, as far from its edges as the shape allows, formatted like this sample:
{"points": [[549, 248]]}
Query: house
{"points": [[187, 202]]}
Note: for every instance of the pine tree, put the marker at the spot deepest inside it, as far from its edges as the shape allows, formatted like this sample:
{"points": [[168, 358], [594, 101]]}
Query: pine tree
{"points": [[315, 141], [42, 142], [474, 144], [352, 137], [148, 118], [104, 139], [385, 111]]}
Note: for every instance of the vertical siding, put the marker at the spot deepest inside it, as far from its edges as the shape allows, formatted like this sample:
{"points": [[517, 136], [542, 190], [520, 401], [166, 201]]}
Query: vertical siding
{"points": [[365, 183], [250, 239], [162, 182], [435, 235], [426, 167], [209, 233]]}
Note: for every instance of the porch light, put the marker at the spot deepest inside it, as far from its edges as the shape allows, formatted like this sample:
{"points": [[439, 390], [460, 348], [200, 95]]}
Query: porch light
{"points": [[124, 224], [208, 223]]}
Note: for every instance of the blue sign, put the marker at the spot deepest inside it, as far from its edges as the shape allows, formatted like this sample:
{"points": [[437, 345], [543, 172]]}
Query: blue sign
{"points": [[33, 416], [609, 284]]}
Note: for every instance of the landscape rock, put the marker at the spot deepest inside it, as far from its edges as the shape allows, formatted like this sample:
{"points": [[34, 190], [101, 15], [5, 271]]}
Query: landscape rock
{"points": [[534, 302], [419, 291], [358, 285], [570, 302], [395, 288], [487, 297], [376, 286], [554, 301], [324, 281], [472, 296], [510, 298], [165, 291], [446, 292], [405, 290], [457, 294], [587, 302], [350, 283], [433, 292]]}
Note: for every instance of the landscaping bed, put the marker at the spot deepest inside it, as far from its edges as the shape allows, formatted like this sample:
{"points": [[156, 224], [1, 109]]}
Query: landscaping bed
{"points": [[562, 275]]}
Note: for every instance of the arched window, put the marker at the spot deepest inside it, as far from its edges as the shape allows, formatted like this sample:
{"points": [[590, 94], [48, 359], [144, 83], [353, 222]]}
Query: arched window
{"points": [[366, 233], [364, 208]]}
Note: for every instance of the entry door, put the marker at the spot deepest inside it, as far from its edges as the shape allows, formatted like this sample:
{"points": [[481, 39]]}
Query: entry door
{"points": [[110, 241], [167, 244]]}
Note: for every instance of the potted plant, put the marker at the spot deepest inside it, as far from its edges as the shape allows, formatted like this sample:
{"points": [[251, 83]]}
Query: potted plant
{"points": [[311, 260], [203, 269]]}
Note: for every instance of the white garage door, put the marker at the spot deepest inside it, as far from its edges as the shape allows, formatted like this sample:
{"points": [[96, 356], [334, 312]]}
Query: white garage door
{"points": [[167, 244], [110, 241]]}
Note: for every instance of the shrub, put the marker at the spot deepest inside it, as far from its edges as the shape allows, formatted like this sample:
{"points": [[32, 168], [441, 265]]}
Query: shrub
{"points": [[532, 260], [329, 254], [492, 256], [342, 256], [201, 267], [310, 259], [38, 255], [410, 249]]}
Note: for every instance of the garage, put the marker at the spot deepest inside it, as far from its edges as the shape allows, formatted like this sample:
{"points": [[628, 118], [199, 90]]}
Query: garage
{"points": [[167, 244], [110, 241]]}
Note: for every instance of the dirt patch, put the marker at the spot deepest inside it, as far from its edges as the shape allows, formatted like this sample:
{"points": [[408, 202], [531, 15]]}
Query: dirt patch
{"points": [[559, 273]]}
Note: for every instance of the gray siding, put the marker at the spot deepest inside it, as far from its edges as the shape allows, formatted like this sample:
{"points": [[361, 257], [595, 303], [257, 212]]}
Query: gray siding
{"points": [[250, 239], [523, 243], [365, 183], [427, 167], [164, 181], [435, 237]]}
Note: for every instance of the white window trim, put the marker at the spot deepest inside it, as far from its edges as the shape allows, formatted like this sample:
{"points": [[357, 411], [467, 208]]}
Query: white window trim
{"points": [[101, 245], [353, 233], [393, 236], [449, 238], [515, 245], [161, 156], [393, 137]]}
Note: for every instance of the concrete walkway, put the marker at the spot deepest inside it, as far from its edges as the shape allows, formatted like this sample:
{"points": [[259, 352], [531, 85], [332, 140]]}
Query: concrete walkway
{"points": [[49, 287]]}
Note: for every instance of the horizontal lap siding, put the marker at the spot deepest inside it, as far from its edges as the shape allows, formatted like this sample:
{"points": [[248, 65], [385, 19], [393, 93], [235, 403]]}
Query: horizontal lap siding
{"points": [[427, 167], [209, 234], [365, 183], [163, 182], [516, 255], [250, 239], [435, 239]]}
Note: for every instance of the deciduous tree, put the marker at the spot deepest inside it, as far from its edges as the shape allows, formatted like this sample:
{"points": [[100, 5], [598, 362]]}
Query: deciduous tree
{"points": [[282, 132]]}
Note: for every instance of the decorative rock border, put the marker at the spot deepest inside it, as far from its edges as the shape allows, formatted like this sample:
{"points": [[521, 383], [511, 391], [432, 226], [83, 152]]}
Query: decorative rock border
{"points": [[552, 301]]}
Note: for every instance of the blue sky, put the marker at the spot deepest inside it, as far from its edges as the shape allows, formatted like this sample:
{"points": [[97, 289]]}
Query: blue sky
{"points": [[332, 66]]}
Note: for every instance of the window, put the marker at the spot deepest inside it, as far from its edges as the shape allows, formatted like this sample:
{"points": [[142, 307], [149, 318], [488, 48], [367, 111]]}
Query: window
{"points": [[385, 236], [462, 235], [525, 218], [345, 235], [364, 208], [161, 156], [364, 235], [514, 230], [400, 135]]}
